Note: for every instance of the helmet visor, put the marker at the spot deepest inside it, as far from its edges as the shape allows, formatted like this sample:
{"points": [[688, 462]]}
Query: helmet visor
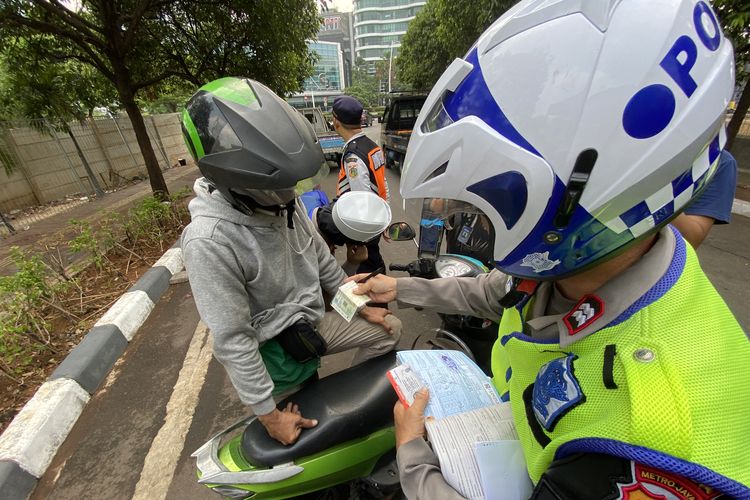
{"points": [[437, 117], [313, 182], [439, 211], [268, 197]]}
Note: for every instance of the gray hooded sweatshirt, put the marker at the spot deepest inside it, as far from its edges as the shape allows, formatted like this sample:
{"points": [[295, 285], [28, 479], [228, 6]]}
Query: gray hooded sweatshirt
{"points": [[252, 277]]}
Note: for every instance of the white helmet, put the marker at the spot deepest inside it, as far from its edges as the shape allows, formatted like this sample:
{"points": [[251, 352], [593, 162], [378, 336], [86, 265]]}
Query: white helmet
{"points": [[577, 126], [361, 215]]}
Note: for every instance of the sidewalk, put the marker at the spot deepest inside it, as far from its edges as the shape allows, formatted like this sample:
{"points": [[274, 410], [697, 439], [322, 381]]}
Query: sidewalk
{"points": [[57, 228]]}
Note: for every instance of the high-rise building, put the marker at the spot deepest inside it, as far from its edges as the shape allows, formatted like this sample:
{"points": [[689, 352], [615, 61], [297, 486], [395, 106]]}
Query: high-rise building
{"points": [[327, 80], [379, 26], [337, 27]]}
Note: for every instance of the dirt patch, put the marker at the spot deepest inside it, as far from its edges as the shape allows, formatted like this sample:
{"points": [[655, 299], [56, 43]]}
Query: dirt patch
{"points": [[68, 319]]}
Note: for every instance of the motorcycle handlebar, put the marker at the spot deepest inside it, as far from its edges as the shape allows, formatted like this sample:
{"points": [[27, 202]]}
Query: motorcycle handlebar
{"points": [[398, 267]]}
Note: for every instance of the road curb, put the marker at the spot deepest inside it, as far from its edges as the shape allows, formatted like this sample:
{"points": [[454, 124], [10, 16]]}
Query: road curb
{"points": [[741, 207], [32, 439]]}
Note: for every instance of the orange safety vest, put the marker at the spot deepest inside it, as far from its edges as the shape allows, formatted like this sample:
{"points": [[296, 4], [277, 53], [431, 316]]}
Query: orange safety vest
{"points": [[372, 156]]}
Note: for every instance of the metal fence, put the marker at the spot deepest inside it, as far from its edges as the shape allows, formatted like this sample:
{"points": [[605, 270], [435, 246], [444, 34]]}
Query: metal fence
{"points": [[46, 169]]}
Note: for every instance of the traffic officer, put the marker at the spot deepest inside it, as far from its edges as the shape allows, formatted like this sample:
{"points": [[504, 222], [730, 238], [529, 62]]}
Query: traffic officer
{"points": [[362, 165], [580, 128]]}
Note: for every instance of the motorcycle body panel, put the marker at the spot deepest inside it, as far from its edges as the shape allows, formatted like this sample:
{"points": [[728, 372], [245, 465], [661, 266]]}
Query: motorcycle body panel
{"points": [[339, 464]]}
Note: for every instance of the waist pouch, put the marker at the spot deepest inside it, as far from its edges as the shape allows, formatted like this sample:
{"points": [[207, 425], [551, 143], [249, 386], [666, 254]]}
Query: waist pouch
{"points": [[302, 341]]}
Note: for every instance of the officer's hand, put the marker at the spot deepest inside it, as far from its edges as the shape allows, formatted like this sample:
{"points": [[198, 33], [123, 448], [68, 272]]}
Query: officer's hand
{"points": [[410, 421], [377, 315], [286, 426], [379, 288]]}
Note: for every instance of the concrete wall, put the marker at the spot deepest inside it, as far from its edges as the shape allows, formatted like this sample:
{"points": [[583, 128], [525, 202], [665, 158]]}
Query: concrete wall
{"points": [[48, 167]]}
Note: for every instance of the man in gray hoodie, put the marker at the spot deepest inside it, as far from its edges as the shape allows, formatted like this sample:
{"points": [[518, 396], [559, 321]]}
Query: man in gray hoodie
{"points": [[257, 266]]}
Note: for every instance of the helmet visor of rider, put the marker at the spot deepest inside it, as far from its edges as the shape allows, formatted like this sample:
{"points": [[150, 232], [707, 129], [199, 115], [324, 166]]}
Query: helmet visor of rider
{"points": [[438, 210], [268, 197], [313, 182]]}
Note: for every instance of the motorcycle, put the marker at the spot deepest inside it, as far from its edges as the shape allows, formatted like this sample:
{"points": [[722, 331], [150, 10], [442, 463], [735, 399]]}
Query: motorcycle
{"points": [[469, 253], [351, 452]]}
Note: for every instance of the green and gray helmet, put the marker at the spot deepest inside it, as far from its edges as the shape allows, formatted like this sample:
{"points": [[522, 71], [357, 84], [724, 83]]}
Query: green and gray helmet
{"points": [[247, 140]]}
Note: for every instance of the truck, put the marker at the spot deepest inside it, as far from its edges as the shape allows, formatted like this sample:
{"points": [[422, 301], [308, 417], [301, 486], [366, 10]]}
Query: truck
{"points": [[396, 126], [331, 142]]}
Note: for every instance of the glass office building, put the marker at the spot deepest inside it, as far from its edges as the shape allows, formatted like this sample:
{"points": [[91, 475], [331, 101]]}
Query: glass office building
{"points": [[327, 80], [329, 70], [379, 26]]}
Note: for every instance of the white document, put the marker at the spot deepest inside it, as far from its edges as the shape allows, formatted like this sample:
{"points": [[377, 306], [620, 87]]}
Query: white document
{"points": [[502, 467], [346, 303], [454, 439], [455, 382]]}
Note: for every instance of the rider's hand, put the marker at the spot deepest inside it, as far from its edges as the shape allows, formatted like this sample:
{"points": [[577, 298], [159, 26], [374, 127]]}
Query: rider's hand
{"points": [[356, 254], [285, 426], [376, 315], [379, 288], [410, 421]]}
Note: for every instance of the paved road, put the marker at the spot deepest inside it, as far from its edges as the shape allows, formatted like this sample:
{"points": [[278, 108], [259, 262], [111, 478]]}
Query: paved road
{"points": [[167, 395]]}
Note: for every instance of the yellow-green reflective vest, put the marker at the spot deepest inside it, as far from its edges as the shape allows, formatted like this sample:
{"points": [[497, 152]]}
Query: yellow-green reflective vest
{"points": [[684, 407]]}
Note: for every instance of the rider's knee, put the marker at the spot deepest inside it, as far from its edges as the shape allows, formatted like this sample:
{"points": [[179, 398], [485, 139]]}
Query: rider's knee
{"points": [[396, 327]]}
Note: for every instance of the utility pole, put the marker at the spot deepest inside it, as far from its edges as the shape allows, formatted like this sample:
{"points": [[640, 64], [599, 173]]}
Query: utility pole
{"points": [[390, 63]]}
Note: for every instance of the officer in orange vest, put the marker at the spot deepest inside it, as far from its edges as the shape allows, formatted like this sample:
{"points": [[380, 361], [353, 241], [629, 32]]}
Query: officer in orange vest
{"points": [[362, 165]]}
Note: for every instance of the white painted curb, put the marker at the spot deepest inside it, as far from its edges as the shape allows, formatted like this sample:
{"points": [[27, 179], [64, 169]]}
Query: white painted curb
{"points": [[172, 260], [34, 436], [128, 313], [741, 207]]}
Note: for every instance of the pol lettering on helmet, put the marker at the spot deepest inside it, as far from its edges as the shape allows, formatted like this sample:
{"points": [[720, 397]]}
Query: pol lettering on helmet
{"points": [[651, 109]]}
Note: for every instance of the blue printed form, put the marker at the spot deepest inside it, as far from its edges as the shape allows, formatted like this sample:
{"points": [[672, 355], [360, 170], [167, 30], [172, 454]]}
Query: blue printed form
{"points": [[465, 422], [455, 382]]}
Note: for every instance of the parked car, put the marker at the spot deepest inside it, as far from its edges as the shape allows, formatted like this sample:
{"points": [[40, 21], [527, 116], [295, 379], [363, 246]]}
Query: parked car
{"points": [[398, 120]]}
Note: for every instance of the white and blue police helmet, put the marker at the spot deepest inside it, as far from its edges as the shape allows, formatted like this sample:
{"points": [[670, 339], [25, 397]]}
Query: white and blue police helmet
{"points": [[577, 126]]}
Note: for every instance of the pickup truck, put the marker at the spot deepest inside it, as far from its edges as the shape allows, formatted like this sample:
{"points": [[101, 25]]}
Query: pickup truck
{"points": [[396, 125], [331, 142]]}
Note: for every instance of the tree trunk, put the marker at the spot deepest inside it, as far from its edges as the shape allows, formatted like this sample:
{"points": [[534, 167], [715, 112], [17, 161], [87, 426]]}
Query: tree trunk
{"points": [[90, 173], [739, 115], [158, 186], [7, 223]]}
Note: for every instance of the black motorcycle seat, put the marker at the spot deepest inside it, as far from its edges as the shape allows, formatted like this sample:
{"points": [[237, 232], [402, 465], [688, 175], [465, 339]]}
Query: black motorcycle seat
{"points": [[347, 405]]}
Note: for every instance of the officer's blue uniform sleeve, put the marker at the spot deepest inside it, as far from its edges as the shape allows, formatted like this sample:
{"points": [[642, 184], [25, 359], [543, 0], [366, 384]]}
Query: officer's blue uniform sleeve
{"points": [[716, 200]]}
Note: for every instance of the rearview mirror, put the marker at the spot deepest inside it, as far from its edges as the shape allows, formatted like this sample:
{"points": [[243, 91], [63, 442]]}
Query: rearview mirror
{"points": [[401, 231]]}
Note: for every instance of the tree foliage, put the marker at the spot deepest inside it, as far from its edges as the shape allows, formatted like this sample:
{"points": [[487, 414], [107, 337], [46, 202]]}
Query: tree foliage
{"points": [[59, 93], [442, 31], [52, 94], [365, 87], [137, 44]]}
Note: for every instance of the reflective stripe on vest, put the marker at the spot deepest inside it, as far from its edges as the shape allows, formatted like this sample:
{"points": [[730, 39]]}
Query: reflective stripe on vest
{"points": [[682, 408], [375, 162]]}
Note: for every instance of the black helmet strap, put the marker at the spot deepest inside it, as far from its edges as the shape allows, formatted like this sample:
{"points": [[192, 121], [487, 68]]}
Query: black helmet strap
{"points": [[290, 214], [247, 205]]}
